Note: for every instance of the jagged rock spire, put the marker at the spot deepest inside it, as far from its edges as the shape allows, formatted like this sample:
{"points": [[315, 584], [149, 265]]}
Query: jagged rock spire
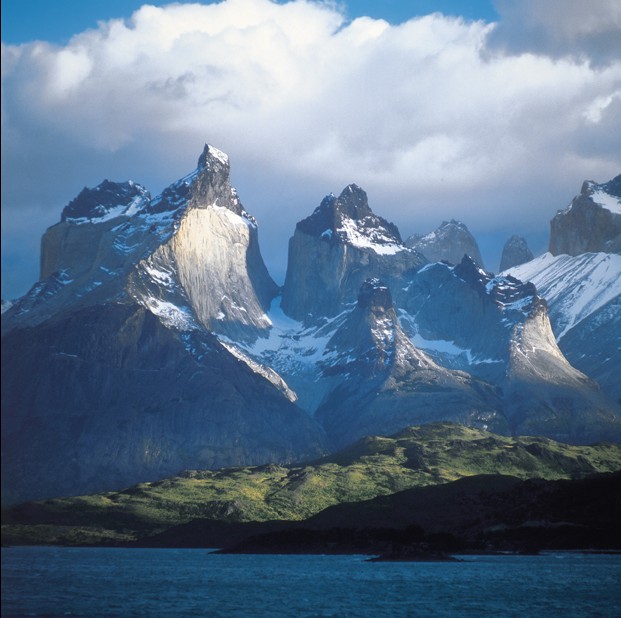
{"points": [[514, 253], [335, 249]]}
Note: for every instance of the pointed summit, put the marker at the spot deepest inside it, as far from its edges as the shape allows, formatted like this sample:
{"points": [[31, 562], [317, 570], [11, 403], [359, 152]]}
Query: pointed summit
{"points": [[208, 185], [514, 253], [354, 203], [374, 296], [349, 219], [448, 243], [335, 249], [211, 158]]}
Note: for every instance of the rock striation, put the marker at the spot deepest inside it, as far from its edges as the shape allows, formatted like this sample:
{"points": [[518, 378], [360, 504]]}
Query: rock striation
{"points": [[591, 223], [448, 243], [583, 293]]}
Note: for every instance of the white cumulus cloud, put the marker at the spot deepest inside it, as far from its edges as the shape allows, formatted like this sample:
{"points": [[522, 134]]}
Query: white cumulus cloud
{"points": [[435, 118]]}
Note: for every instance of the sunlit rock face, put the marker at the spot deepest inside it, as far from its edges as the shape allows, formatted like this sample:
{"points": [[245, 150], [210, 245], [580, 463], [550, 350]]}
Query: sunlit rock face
{"points": [[497, 328], [335, 249], [591, 223], [448, 243], [583, 294], [213, 252], [132, 383]]}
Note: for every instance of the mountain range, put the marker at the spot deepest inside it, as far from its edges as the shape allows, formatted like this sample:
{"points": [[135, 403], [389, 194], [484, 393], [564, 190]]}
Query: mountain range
{"points": [[157, 341]]}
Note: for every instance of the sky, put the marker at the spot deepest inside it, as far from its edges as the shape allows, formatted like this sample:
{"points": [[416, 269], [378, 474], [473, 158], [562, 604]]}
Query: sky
{"points": [[492, 112]]}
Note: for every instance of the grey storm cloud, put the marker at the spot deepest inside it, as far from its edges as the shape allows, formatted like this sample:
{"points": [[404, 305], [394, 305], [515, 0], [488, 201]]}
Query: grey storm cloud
{"points": [[561, 28], [435, 118]]}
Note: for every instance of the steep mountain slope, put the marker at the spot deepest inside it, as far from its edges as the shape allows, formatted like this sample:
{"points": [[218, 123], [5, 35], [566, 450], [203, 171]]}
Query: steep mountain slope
{"points": [[335, 249], [381, 382], [583, 293], [130, 384], [449, 242], [123, 398], [591, 223], [498, 329]]}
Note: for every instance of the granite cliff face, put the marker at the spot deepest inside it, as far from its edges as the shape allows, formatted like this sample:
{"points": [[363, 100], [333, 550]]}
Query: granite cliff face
{"points": [[514, 253], [449, 243], [155, 339], [497, 328], [591, 223], [131, 383], [334, 250], [194, 245], [583, 294], [382, 383]]}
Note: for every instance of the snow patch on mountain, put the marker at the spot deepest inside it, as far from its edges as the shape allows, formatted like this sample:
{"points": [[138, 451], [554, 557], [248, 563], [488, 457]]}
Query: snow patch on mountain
{"points": [[573, 286], [440, 349], [609, 202], [105, 202], [375, 239], [289, 342], [218, 154], [267, 372], [171, 315]]}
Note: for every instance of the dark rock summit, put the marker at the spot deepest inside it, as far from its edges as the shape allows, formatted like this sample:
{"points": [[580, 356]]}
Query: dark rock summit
{"points": [[374, 296], [349, 218], [334, 250], [106, 200], [514, 253], [592, 222]]}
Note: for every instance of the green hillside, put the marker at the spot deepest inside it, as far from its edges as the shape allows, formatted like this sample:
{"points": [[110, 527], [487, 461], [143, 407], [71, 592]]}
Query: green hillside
{"points": [[375, 466]]}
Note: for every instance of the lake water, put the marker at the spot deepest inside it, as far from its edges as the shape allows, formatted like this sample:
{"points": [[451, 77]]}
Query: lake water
{"points": [[55, 581]]}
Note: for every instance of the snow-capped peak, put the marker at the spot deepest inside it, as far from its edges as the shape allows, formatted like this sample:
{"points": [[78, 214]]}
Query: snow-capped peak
{"points": [[607, 195], [606, 200], [348, 219], [106, 201]]}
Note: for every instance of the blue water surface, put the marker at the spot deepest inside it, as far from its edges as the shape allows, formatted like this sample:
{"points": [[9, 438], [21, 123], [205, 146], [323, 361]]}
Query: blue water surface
{"points": [[56, 581]]}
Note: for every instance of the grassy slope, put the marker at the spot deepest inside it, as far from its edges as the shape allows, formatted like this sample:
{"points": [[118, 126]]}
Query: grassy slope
{"points": [[416, 457]]}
